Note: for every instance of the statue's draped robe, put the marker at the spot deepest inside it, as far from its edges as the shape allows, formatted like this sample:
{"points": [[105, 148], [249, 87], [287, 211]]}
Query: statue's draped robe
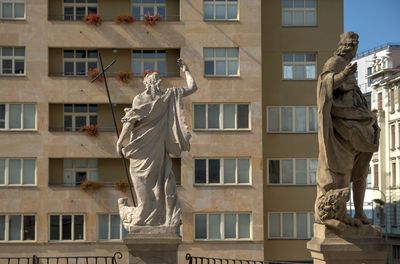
{"points": [[345, 126], [159, 131]]}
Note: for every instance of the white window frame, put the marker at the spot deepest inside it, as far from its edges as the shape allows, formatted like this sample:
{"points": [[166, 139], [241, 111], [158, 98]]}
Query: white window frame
{"points": [[7, 229], [280, 131], [121, 228], [76, 5], [72, 227], [7, 172], [226, 3], [221, 171], [75, 60], [304, 10], [73, 170], [13, 2], [308, 175], [310, 222], [7, 118], [222, 226], [142, 6], [153, 60], [392, 138], [74, 114], [303, 63], [13, 58], [221, 117], [226, 59]]}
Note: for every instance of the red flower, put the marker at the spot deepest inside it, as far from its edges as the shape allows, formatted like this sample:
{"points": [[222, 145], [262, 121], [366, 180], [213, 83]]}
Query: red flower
{"points": [[151, 20], [92, 19]]}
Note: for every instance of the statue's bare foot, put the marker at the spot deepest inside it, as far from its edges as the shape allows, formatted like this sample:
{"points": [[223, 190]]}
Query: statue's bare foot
{"points": [[347, 219], [362, 218]]}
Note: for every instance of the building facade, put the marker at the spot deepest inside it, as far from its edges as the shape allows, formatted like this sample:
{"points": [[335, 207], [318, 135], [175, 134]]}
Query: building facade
{"points": [[298, 37], [47, 56]]}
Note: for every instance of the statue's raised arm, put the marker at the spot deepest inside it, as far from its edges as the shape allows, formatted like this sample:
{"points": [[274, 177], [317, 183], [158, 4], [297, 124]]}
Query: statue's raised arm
{"points": [[191, 84]]}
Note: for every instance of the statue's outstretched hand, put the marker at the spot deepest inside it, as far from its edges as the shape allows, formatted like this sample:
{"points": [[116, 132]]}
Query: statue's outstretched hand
{"points": [[182, 65], [350, 69]]}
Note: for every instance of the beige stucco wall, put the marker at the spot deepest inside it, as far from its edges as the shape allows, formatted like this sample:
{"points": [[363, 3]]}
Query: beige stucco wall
{"points": [[276, 39], [44, 40]]}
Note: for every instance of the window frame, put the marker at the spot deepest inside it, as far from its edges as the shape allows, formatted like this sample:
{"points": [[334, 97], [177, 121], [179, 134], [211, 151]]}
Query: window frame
{"points": [[75, 5], [226, 59], [122, 231], [7, 228], [226, 4], [155, 60], [72, 240], [222, 226], [310, 223], [7, 117], [13, 58], [221, 171], [74, 114], [7, 173], [293, 131], [221, 117], [13, 2], [298, 9], [304, 64], [155, 7], [293, 160], [75, 60], [73, 170]]}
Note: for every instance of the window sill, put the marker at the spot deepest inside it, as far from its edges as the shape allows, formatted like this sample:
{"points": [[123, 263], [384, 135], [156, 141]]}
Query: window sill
{"points": [[202, 185], [302, 80], [18, 186], [222, 76], [223, 240], [287, 238], [290, 185], [18, 130], [13, 19], [221, 130], [222, 20], [300, 26], [289, 133], [13, 76], [18, 241]]}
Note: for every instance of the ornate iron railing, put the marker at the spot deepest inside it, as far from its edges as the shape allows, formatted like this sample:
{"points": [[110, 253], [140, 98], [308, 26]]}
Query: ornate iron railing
{"points": [[62, 260], [206, 260]]}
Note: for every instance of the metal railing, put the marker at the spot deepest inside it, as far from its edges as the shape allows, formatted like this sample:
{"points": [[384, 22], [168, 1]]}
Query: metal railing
{"points": [[111, 74], [376, 49], [67, 18], [62, 260], [207, 260]]}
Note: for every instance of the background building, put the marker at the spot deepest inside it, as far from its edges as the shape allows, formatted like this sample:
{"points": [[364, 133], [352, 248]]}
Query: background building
{"points": [[298, 37], [47, 51]]}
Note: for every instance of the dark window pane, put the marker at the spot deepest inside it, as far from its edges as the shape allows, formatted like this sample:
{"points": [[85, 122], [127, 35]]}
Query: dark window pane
{"points": [[29, 227], [54, 227], [201, 226], [19, 67], [67, 123], [243, 116], [80, 108], [200, 171], [213, 171], [2, 227], [200, 116], [2, 115], [213, 115], [15, 227], [78, 227], [273, 170], [92, 53], [80, 176], [79, 122], [66, 227], [209, 68], [80, 53], [7, 66], [68, 53], [80, 68], [68, 68], [93, 120], [93, 108]]}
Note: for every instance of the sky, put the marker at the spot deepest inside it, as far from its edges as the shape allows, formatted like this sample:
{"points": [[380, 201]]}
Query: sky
{"points": [[376, 21]]}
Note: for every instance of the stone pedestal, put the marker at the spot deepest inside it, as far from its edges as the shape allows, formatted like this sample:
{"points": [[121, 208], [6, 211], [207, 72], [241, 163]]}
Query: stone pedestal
{"points": [[153, 245], [350, 245]]}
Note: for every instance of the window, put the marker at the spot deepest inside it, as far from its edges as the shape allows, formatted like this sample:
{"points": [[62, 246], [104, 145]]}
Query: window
{"points": [[17, 116], [17, 227], [12, 61], [220, 9], [17, 172], [222, 171], [110, 227], [292, 119], [78, 115], [226, 226], [393, 171], [221, 116], [392, 102], [77, 171], [221, 61], [376, 175], [151, 7], [394, 214], [380, 103], [149, 60], [290, 225], [392, 137], [299, 12], [292, 171], [12, 9], [299, 66], [79, 62], [67, 227], [78, 9]]}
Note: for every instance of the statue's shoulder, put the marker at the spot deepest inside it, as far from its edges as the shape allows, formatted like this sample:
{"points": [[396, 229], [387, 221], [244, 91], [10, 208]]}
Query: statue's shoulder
{"points": [[333, 64]]}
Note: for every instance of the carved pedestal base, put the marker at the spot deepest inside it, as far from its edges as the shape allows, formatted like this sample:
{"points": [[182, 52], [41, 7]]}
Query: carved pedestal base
{"points": [[351, 245], [153, 245]]}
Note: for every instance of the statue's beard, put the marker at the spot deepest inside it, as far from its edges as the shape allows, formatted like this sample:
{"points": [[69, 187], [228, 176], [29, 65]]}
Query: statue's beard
{"points": [[153, 90]]}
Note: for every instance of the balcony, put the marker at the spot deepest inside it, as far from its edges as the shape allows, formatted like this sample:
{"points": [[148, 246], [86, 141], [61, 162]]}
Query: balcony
{"points": [[80, 62], [108, 172], [109, 10]]}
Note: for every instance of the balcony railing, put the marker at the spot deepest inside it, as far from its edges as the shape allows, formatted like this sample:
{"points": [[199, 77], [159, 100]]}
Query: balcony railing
{"points": [[113, 75], [206, 260], [167, 18], [62, 260]]}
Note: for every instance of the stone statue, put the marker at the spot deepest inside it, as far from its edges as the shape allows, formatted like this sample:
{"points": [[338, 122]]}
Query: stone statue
{"points": [[156, 130], [348, 134]]}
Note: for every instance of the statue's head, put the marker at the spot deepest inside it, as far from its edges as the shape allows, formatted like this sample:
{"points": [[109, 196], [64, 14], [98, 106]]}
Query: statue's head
{"points": [[348, 45], [152, 82]]}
